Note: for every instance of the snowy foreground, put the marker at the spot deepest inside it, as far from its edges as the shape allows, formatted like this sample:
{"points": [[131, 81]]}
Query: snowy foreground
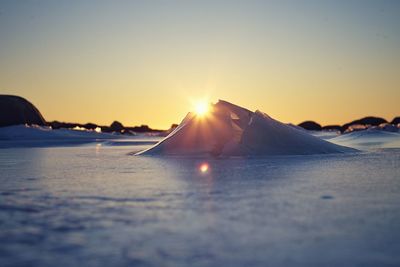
{"points": [[92, 203]]}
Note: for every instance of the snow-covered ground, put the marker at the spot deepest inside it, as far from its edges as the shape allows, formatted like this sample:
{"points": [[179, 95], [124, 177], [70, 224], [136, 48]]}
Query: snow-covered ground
{"points": [[36, 136], [95, 204], [370, 139]]}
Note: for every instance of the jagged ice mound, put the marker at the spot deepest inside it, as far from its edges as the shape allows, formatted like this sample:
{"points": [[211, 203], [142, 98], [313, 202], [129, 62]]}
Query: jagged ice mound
{"points": [[230, 130]]}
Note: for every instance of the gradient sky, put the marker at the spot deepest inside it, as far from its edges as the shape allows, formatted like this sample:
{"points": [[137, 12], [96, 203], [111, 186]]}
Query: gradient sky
{"points": [[144, 62]]}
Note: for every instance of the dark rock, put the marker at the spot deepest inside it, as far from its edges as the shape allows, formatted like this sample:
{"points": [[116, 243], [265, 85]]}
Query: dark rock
{"points": [[116, 126], [105, 129], [173, 126], [395, 121], [90, 126], [66, 125], [16, 110], [311, 125], [54, 124]]}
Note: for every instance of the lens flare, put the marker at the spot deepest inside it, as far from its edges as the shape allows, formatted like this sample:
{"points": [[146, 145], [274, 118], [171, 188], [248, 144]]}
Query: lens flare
{"points": [[204, 167]]}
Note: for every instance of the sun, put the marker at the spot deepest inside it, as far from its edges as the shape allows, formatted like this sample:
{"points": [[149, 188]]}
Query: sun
{"points": [[202, 108]]}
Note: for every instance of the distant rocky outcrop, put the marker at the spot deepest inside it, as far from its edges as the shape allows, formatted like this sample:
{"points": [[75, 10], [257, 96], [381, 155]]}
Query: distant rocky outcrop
{"points": [[116, 126], [395, 121], [16, 110], [355, 125], [90, 126], [67, 125], [311, 126], [372, 121]]}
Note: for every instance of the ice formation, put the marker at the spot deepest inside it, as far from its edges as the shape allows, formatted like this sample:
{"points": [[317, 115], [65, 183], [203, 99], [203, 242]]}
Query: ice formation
{"points": [[230, 130]]}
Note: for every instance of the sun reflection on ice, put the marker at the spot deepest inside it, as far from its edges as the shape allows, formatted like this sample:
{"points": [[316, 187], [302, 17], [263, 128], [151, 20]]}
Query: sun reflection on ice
{"points": [[98, 147]]}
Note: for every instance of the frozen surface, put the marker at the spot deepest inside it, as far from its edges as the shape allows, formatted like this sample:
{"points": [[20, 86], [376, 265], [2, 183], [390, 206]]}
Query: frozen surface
{"points": [[36, 136], [326, 135], [24, 132], [95, 205], [368, 140]]}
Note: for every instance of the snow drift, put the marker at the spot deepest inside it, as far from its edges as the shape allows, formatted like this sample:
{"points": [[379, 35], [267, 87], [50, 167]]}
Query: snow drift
{"points": [[230, 130], [27, 133], [374, 138]]}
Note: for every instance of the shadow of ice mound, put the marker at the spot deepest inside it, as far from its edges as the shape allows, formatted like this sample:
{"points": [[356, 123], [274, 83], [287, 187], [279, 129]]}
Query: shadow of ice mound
{"points": [[230, 130]]}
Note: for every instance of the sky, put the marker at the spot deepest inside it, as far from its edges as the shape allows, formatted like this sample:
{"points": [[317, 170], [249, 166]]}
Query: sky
{"points": [[146, 62]]}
